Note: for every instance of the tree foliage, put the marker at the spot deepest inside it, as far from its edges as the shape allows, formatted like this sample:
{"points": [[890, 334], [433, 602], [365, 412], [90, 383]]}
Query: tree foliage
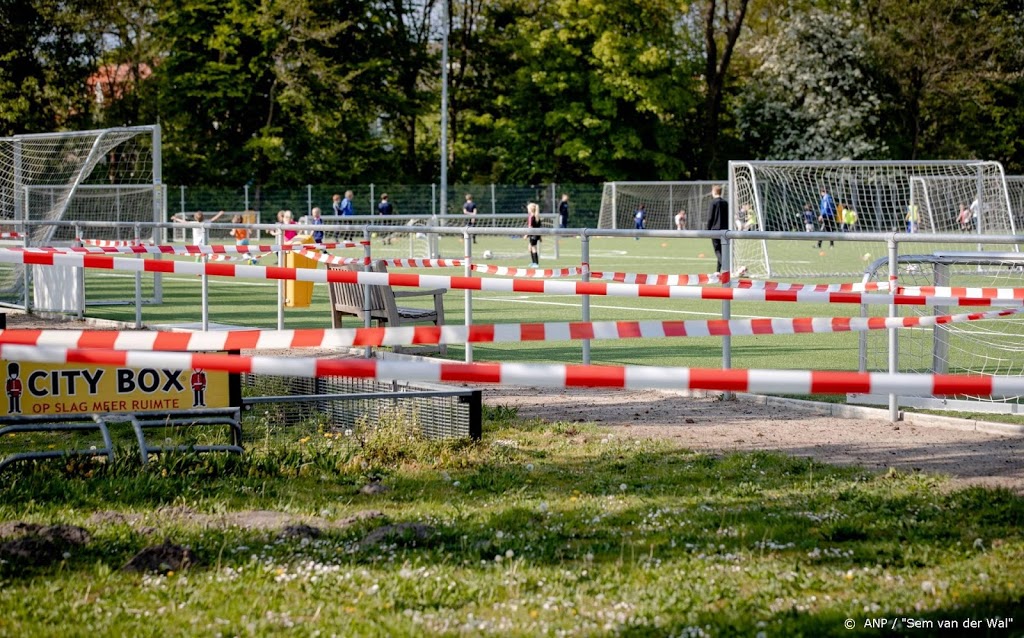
{"points": [[813, 95], [343, 91]]}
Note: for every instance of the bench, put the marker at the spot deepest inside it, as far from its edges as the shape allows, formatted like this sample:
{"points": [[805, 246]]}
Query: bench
{"points": [[349, 300]]}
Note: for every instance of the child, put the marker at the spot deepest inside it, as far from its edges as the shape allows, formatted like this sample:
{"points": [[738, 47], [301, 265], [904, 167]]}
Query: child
{"points": [[287, 219], [681, 220], [241, 236], [533, 221], [198, 232], [639, 218]]}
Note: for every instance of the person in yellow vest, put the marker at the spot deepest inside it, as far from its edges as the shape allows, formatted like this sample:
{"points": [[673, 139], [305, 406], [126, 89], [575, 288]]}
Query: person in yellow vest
{"points": [[849, 219], [913, 217]]}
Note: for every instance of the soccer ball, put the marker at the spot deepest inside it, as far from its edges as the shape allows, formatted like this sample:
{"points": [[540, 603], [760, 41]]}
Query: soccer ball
{"points": [[866, 257], [488, 254]]}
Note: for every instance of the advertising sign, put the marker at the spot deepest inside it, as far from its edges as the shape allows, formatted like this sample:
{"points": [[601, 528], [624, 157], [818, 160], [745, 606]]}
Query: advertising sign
{"points": [[57, 389]]}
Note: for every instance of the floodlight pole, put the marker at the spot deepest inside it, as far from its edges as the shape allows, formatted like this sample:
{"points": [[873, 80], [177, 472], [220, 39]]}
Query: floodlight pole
{"points": [[446, 24]]}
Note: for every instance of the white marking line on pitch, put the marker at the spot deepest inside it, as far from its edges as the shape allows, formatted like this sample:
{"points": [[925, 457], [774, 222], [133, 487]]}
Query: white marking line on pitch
{"points": [[593, 305]]}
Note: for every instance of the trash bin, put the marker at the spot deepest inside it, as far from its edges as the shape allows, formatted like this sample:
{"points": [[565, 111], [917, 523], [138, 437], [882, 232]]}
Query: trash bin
{"points": [[298, 294]]}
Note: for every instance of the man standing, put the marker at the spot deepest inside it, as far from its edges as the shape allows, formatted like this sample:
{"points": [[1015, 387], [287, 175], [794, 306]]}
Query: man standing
{"points": [[718, 219], [469, 208], [563, 211], [827, 215], [385, 207]]}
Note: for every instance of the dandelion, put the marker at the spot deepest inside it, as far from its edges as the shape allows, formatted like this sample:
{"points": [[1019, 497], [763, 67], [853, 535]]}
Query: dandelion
{"points": [[622, 487], [348, 432], [497, 558], [499, 534], [529, 467], [928, 587], [509, 553], [543, 507]]}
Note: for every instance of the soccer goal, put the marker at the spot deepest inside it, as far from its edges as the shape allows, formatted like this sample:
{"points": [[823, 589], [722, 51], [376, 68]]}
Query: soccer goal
{"points": [[876, 196], [662, 201], [108, 175], [984, 347]]}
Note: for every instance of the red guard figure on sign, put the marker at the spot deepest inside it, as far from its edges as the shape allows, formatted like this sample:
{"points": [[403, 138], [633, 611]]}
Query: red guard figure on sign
{"points": [[13, 388], [198, 383]]}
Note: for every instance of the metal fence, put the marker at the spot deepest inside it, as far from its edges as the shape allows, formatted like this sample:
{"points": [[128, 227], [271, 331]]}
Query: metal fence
{"points": [[407, 199], [341, 403]]}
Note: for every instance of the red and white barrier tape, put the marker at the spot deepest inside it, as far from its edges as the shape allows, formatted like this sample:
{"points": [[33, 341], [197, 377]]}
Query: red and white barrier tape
{"points": [[106, 243], [250, 257], [851, 287], [11, 235], [140, 249], [481, 283], [946, 291], [542, 375], [459, 334], [531, 273], [661, 280]]}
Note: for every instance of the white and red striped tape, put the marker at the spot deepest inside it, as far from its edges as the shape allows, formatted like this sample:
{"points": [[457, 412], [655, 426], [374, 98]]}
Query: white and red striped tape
{"points": [[541, 375], [140, 249], [11, 235], [459, 334], [105, 262], [661, 280], [111, 243], [850, 287]]}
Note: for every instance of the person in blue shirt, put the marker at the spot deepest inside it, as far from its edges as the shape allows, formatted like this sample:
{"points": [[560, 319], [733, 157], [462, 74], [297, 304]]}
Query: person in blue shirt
{"points": [[317, 220], [346, 204], [827, 214], [639, 218], [808, 217], [385, 207]]}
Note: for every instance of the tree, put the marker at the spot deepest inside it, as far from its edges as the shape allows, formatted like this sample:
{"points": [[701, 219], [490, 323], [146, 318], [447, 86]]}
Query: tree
{"points": [[723, 23], [46, 54], [582, 90], [812, 96]]}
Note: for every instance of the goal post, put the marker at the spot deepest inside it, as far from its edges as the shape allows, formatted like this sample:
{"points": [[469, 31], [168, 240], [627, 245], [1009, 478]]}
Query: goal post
{"points": [[108, 175], [981, 347], [661, 200], [884, 197]]}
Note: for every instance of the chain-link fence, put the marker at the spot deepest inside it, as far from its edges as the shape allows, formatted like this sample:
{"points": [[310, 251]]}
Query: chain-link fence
{"points": [[407, 199]]}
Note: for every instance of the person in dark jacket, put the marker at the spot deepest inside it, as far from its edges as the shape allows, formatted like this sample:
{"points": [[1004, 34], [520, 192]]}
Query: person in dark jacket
{"points": [[718, 219]]}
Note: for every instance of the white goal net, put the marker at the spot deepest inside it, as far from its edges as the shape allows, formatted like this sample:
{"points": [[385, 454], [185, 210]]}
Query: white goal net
{"points": [[986, 347], [662, 202], [110, 176], [921, 197]]}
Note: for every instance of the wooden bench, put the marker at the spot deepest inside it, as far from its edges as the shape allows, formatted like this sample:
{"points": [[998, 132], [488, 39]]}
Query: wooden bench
{"points": [[348, 300]]}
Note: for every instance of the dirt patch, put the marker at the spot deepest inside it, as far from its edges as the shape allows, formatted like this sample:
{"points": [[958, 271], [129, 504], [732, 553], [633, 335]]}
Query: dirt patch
{"points": [[162, 559], [404, 534], [39, 544], [715, 426], [258, 520]]}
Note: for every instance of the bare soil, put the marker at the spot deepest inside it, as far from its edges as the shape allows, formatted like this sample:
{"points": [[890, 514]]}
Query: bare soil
{"points": [[715, 426]]}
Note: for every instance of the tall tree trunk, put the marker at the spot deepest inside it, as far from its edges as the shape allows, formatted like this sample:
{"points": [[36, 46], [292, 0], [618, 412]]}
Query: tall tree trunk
{"points": [[716, 70]]}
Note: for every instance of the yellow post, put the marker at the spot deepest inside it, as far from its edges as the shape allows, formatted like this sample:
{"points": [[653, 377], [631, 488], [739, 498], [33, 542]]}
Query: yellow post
{"points": [[298, 294]]}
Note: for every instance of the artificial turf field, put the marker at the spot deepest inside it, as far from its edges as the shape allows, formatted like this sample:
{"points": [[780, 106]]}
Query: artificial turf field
{"points": [[252, 303]]}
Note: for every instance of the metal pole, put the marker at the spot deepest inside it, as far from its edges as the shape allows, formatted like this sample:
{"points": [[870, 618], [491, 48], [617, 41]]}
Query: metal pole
{"points": [[446, 26], [80, 275], [367, 320], [373, 199], [246, 188], [309, 198], [467, 270], [585, 265], [138, 282], [894, 408], [727, 309], [280, 285], [494, 199]]}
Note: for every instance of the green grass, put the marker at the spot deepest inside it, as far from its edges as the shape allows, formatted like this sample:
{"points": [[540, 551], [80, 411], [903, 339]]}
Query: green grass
{"points": [[538, 529]]}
